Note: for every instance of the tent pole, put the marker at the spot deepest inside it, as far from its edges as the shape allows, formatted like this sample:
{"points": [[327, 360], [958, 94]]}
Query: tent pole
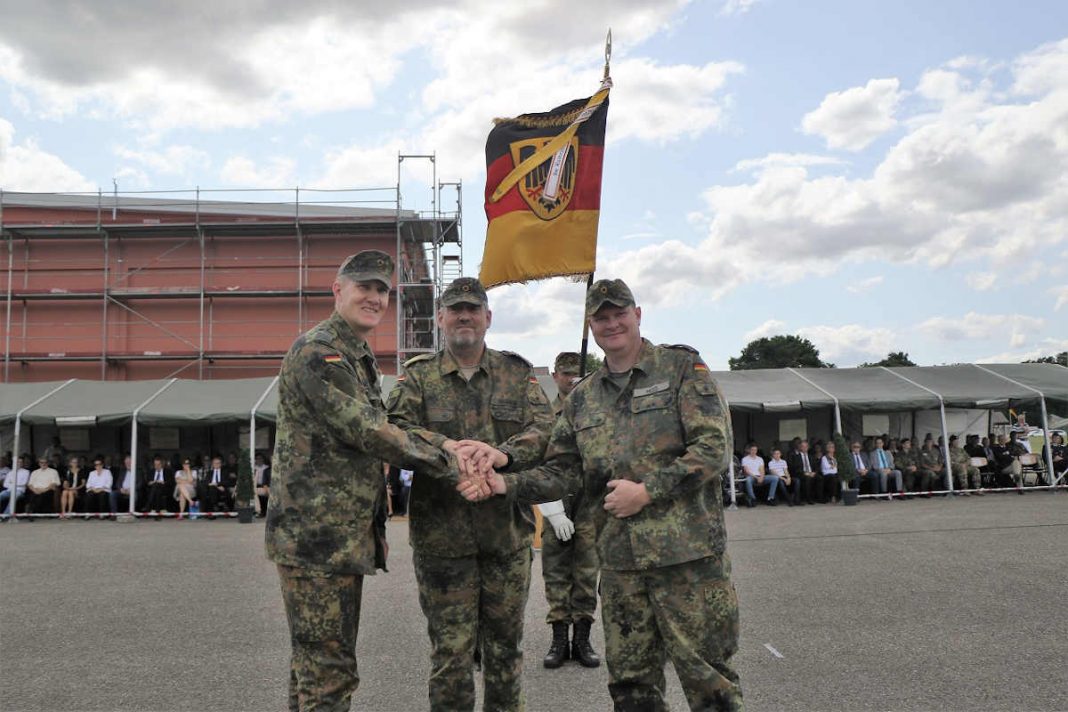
{"points": [[16, 445], [945, 430], [837, 408], [252, 441], [730, 472], [1045, 420], [133, 443]]}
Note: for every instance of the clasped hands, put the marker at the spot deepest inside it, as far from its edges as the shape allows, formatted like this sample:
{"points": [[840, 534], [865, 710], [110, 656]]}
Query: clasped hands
{"points": [[477, 464]]}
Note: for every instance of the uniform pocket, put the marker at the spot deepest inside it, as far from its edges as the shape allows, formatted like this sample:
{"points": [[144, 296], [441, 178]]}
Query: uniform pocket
{"points": [[510, 411], [315, 607], [653, 401]]}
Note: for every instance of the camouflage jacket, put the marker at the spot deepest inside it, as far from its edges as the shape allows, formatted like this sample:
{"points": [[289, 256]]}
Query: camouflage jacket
{"points": [[668, 428], [327, 505], [930, 459], [957, 456], [907, 458], [502, 405], [558, 405]]}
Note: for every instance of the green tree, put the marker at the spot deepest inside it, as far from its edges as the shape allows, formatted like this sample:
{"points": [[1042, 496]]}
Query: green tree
{"points": [[778, 352], [1060, 359], [593, 362], [894, 358]]}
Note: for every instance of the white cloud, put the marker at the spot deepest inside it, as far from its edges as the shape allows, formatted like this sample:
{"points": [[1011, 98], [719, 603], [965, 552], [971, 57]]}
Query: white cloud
{"points": [[771, 327], [849, 344], [864, 285], [276, 172], [981, 281], [1061, 293], [176, 160], [1047, 347], [1014, 329], [984, 184], [736, 7], [853, 118], [786, 160], [25, 166], [538, 320]]}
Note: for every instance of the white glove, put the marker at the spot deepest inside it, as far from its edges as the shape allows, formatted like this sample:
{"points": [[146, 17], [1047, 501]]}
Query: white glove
{"points": [[562, 526]]}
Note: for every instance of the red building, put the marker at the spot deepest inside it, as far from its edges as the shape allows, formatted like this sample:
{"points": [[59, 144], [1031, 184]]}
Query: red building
{"points": [[130, 288]]}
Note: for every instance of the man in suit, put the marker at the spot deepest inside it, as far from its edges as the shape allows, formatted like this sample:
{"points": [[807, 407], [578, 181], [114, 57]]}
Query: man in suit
{"points": [[217, 482], [159, 487], [865, 473], [802, 469], [882, 462]]}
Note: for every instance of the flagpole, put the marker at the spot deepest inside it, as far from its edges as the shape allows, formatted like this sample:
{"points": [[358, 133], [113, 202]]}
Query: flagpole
{"points": [[589, 281]]}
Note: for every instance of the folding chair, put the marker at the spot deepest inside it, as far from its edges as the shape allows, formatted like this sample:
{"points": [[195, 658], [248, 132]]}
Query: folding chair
{"points": [[1033, 470]]}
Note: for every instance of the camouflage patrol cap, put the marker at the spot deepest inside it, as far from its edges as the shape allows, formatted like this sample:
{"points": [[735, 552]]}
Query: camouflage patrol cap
{"points": [[368, 265], [608, 291], [465, 290], [568, 362]]}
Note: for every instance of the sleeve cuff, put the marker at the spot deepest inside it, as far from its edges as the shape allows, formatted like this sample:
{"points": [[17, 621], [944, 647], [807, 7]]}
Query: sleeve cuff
{"points": [[511, 483]]}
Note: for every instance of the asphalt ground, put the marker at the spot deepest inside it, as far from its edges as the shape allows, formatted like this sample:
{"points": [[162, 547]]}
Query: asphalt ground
{"points": [[944, 604]]}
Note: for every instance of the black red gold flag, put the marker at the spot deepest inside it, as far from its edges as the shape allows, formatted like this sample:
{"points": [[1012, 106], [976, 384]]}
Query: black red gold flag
{"points": [[543, 192]]}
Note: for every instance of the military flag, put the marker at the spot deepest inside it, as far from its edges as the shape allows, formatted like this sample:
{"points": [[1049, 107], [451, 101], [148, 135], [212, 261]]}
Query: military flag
{"points": [[543, 192]]}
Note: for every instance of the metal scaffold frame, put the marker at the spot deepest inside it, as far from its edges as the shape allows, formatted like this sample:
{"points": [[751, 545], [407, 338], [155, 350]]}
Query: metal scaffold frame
{"points": [[428, 248]]}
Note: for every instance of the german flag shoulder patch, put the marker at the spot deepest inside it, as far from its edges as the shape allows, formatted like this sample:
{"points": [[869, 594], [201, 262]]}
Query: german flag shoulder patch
{"points": [[533, 379], [332, 358], [700, 367]]}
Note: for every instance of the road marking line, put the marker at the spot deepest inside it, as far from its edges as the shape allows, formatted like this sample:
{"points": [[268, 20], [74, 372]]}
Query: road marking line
{"points": [[773, 651]]}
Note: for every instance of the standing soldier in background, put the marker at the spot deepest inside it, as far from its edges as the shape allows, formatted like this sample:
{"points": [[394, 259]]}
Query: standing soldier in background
{"points": [[569, 554], [648, 434], [326, 514], [472, 562]]}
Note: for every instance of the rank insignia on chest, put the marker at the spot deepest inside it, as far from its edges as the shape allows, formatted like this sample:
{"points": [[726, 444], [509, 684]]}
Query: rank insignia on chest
{"points": [[332, 359]]}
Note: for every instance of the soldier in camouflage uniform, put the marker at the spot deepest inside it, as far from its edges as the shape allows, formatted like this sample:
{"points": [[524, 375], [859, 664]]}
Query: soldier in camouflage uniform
{"points": [[472, 561], [569, 555], [965, 475], [649, 436], [907, 458], [932, 465], [326, 514]]}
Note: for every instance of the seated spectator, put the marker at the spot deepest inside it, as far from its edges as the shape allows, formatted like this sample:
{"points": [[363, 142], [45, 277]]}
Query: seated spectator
{"points": [[965, 475], [262, 479], [42, 486], [1007, 462], [907, 460], [883, 463], [73, 484], [15, 481], [778, 467], [119, 499], [933, 465], [802, 470], [875, 479], [216, 485], [828, 481], [159, 487], [753, 471], [1059, 454], [185, 486], [98, 489]]}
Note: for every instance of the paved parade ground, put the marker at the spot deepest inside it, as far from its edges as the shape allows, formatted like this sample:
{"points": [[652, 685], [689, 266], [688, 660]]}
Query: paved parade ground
{"points": [[922, 605]]}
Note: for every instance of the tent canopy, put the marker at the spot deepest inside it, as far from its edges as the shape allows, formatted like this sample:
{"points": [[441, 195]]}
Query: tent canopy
{"points": [[758, 391]]}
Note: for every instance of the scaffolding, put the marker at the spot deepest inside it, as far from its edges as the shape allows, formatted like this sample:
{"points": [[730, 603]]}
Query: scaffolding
{"points": [[213, 286]]}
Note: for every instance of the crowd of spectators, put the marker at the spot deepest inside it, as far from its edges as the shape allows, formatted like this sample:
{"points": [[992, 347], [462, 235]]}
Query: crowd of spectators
{"points": [[803, 472], [101, 485]]}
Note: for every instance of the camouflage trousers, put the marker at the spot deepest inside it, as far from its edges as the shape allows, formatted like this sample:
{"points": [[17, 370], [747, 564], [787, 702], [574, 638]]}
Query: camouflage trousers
{"points": [[469, 601], [963, 474], [324, 617], [570, 572], [687, 613]]}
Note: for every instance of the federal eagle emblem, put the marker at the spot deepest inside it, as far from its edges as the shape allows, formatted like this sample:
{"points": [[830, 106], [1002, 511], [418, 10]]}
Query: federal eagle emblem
{"points": [[533, 186]]}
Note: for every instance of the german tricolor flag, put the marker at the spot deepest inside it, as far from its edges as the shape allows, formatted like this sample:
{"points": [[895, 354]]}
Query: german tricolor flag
{"points": [[543, 192]]}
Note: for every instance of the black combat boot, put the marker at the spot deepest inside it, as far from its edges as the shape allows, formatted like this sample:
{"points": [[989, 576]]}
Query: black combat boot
{"points": [[558, 649], [581, 649]]}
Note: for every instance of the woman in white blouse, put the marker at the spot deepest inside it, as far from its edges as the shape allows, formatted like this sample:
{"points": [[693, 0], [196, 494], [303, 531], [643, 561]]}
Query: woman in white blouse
{"points": [[829, 472], [185, 486]]}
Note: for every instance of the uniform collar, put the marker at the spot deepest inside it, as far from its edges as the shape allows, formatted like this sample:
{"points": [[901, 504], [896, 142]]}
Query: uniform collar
{"points": [[645, 363], [353, 341], [450, 365]]}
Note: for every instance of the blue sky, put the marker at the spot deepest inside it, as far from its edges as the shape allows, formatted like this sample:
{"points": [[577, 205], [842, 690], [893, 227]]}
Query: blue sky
{"points": [[872, 176]]}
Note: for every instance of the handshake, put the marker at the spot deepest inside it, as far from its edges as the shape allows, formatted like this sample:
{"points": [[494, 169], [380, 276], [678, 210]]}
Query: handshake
{"points": [[477, 463]]}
